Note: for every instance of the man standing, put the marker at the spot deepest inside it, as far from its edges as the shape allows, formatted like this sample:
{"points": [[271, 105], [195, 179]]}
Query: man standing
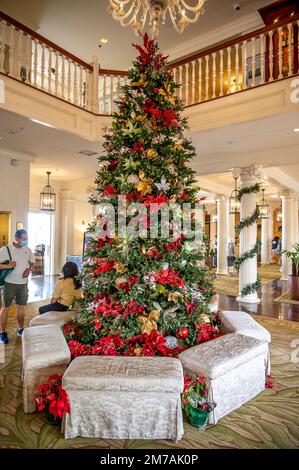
{"points": [[15, 285]]}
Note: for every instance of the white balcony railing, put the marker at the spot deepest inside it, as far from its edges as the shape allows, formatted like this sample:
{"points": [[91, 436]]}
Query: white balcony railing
{"points": [[263, 56]]}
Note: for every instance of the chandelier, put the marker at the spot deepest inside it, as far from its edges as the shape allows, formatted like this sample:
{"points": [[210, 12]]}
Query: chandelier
{"points": [[234, 203], [263, 207], [136, 13], [48, 197]]}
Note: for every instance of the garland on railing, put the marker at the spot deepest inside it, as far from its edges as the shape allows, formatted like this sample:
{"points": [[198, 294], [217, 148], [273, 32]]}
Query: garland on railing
{"points": [[247, 222]]}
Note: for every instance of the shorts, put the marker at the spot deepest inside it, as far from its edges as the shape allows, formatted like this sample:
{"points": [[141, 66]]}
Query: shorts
{"points": [[17, 292]]}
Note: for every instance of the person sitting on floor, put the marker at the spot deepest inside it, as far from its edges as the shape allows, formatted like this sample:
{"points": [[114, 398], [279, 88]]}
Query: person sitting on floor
{"points": [[66, 291]]}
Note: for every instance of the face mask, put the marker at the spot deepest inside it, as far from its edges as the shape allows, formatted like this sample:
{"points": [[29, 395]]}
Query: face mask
{"points": [[23, 243]]}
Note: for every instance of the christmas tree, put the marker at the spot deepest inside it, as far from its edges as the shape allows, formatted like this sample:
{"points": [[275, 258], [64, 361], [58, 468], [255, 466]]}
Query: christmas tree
{"points": [[144, 295]]}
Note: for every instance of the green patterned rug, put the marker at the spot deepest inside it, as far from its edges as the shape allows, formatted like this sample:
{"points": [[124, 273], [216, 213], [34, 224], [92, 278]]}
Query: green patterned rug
{"points": [[269, 421]]}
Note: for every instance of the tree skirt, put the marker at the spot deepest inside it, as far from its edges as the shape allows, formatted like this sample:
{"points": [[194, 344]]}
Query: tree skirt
{"points": [[268, 421]]}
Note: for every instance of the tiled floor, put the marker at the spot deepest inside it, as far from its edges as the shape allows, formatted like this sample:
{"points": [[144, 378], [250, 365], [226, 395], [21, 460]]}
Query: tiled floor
{"points": [[41, 287]]}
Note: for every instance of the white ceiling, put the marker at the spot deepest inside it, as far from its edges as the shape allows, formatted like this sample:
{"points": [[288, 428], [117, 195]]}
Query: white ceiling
{"points": [[78, 26], [270, 142]]}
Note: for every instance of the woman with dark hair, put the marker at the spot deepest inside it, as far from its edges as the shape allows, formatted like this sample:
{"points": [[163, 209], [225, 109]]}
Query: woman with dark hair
{"points": [[67, 290]]}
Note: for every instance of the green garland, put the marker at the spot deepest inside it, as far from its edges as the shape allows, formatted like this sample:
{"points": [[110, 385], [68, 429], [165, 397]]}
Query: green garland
{"points": [[248, 254], [255, 188], [250, 288], [247, 222]]}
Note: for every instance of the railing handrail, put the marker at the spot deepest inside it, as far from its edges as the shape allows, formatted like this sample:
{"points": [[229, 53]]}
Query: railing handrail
{"points": [[44, 40], [116, 73], [232, 42]]}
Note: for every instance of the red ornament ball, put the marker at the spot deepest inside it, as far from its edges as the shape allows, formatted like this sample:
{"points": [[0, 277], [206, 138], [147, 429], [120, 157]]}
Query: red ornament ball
{"points": [[182, 333]]}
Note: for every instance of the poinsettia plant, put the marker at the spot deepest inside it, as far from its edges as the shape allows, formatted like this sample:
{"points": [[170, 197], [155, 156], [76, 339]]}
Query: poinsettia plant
{"points": [[195, 400], [51, 398]]}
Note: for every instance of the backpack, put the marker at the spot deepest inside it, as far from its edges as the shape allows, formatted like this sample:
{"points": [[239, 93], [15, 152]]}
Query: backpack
{"points": [[5, 272]]}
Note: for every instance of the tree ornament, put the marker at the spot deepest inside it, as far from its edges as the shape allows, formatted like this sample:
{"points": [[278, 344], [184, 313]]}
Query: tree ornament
{"points": [[182, 333], [171, 342], [120, 280], [151, 153], [204, 318], [163, 185], [133, 179]]}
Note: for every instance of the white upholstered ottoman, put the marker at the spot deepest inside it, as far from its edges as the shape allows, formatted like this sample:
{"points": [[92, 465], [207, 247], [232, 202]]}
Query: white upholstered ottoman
{"points": [[45, 352], [242, 323], [233, 365], [124, 398], [54, 318]]}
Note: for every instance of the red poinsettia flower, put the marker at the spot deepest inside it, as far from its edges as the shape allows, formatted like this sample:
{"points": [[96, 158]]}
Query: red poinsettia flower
{"points": [[138, 147], [109, 190], [169, 276], [104, 265], [108, 308], [173, 246], [153, 201]]}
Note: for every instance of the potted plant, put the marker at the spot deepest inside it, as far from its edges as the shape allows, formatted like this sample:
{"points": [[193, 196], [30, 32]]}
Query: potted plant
{"points": [[194, 401], [51, 398], [293, 279]]}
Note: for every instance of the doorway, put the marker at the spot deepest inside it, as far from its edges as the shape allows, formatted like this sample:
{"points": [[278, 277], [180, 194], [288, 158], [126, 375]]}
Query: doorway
{"points": [[4, 228], [41, 241]]}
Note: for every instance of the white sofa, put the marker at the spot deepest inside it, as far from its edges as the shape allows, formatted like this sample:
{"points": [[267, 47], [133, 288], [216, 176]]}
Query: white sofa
{"points": [[124, 398]]}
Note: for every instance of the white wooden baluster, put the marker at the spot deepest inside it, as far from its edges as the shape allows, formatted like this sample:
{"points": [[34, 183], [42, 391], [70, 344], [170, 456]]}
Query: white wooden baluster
{"points": [[187, 87], [221, 73], [263, 63], [118, 86], [290, 29], [111, 93], [49, 70], [214, 75], [207, 77], [69, 80], [62, 77], [104, 95], [279, 53], [271, 56], [193, 82], [11, 50], [181, 81], [229, 68], [3, 42], [56, 72], [23, 58], [237, 65], [200, 80], [18, 52], [244, 65], [253, 61], [43, 67], [75, 99], [29, 50], [35, 62], [81, 87]]}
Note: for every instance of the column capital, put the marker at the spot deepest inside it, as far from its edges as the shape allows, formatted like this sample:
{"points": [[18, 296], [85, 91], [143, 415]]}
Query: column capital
{"points": [[287, 194], [251, 174]]}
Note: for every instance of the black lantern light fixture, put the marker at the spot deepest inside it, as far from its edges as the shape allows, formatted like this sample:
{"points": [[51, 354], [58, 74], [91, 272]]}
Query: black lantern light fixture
{"points": [[234, 203], [48, 197], [263, 207]]}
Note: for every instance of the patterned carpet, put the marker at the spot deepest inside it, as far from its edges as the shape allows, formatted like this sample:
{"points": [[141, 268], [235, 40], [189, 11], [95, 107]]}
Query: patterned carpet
{"points": [[229, 285], [269, 421]]}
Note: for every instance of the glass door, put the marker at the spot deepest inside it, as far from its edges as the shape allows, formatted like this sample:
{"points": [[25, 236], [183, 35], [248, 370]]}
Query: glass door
{"points": [[41, 241]]}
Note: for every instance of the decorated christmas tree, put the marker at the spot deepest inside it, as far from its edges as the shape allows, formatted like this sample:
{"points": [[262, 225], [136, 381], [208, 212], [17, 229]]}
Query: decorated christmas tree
{"points": [[145, 293]]}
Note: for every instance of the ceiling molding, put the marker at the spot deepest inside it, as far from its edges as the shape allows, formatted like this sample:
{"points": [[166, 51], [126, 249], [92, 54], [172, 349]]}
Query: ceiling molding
{"points": [[281, 178], [236, 28], [11, 154], [21, 19]]}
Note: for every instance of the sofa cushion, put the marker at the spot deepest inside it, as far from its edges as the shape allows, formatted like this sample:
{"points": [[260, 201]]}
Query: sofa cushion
{"points": [[54, 318], [145, 374], [219, 356], [44, 346], [244, 324]]}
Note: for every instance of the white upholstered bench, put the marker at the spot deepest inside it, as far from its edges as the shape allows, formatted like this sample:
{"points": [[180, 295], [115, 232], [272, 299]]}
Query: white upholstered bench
{"points": [[124, 398], [45, 352], [233, 365], [54, 318], [242, 323]]}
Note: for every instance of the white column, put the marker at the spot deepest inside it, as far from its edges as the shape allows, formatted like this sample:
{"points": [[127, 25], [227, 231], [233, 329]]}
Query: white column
{"points": [[265, 239], [296, 219], [248, 236], [231, 226], [67, 225], [287, 230], [222, 234], [213, 227]]}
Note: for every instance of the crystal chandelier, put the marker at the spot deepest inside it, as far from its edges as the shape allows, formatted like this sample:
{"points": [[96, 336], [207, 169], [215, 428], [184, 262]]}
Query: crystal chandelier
{"points": [[136, 13], [48, 197], [234, 203]]}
